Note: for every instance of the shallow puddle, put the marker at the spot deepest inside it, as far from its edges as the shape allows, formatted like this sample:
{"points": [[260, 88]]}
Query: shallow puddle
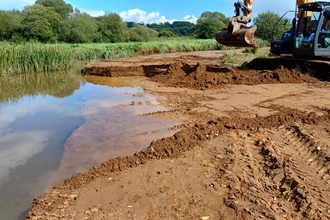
{"points": [[45, 138]]}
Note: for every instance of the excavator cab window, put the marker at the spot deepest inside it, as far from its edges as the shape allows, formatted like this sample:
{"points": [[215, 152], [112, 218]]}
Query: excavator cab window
{"points": [[307, 27], [324, 34]]}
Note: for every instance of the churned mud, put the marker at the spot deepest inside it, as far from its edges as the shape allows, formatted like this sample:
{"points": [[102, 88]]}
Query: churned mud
{"points": [[249, 144]]}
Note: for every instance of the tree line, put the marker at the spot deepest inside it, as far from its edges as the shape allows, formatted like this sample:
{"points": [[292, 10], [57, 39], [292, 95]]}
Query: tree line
{"points": [[51, 21]]}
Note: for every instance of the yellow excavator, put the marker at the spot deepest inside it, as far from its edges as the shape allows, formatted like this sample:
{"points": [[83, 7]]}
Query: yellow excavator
{"points": [[308, 36]]}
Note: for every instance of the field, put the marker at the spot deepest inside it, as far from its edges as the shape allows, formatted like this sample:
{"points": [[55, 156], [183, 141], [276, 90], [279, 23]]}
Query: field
{"points": [[250, 145]]}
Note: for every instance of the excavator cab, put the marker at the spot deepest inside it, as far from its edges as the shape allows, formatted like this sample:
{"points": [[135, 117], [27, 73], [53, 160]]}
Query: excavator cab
{"points": [[312, 34], [238, 34]]}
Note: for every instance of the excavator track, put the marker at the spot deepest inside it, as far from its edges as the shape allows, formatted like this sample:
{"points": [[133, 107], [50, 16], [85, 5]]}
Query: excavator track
{"points": [[319, 68]]}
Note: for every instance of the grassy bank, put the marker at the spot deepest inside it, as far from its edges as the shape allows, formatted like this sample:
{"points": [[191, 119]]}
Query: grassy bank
{"points": [[37, 57]]}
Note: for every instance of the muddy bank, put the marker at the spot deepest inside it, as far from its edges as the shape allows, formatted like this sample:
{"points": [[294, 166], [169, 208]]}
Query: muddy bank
{"points": [[250, 145]]}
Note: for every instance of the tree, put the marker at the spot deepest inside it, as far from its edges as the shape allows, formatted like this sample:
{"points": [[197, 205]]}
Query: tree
{"points": [[112, 28], [141, 33], [40, 23], [182, 28], [10, 22], [265, 23], [214, 15], [59, 6], [179, 28], [79, 28], [166, 33], [209, 24]]}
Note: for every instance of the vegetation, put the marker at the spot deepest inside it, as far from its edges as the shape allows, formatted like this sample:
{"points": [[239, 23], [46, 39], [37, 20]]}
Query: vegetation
{"points": [[241, 57], [59, 6], [80, 28], [34, 57], [40, 23], [209, 24], [37, 57], [140, 33], [270, 27], [50, 35], [166, 33], [54, 21], [179, 28]]}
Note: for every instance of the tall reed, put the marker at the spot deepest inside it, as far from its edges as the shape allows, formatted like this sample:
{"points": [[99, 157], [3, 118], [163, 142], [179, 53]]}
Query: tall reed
{"points": [[37, 57], [34, 57]]}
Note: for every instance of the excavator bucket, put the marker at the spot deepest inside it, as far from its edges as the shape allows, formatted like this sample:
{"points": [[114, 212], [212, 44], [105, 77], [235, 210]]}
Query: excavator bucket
{"points": [[244, 37]]}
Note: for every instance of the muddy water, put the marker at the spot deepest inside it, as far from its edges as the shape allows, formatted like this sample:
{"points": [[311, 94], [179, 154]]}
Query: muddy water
{"points": [[49, 134]]}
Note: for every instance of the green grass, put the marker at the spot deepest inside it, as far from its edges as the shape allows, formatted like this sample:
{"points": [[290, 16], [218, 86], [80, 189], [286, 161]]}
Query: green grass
{"points": [[238, 58], [37, 57], [34, 57]]}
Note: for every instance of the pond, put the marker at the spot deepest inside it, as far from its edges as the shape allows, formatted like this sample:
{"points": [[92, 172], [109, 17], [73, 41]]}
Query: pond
{"points": [[54, 125]]}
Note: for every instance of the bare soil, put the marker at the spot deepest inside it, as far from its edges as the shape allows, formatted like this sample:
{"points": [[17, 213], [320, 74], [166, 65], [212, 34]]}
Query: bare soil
{"points": [[249, 145]]}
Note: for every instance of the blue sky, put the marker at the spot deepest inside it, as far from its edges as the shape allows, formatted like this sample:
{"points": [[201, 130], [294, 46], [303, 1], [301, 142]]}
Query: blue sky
{"points": [[156, 11]]}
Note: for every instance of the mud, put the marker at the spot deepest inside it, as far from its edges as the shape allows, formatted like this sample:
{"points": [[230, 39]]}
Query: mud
{"points": [[251, 144]]}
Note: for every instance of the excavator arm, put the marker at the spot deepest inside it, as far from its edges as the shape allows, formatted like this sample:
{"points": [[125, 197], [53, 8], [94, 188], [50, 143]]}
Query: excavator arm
{"points": [[237, 33], [243, 15]]}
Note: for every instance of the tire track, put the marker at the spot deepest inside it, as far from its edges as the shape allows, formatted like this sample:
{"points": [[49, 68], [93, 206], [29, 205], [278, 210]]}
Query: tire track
{"points": [[306, 169]]}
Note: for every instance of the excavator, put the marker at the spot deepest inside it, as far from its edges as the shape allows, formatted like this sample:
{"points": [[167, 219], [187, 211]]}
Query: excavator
{"points": [[308, 37]]}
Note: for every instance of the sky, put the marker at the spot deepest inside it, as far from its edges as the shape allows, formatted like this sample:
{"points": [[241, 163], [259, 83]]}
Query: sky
{"points": [[159, 11]]}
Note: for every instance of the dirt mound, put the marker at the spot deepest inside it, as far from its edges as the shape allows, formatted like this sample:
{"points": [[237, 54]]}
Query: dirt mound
{"points": [[197, 72], [202, 76]]}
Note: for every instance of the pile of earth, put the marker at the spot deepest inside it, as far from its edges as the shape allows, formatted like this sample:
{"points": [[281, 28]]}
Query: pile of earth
{"points": [[202, 76]]}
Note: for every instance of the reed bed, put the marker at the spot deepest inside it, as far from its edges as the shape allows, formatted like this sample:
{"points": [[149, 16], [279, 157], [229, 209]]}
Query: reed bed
{"points": [[34, 57], [121, 50], [37, 57]]}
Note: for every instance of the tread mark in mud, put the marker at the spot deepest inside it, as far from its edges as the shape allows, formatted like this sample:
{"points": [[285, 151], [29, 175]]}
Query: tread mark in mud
{"points": [[305, 163]]}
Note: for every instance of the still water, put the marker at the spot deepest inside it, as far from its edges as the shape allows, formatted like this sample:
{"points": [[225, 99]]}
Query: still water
{"points": [[55, 125]]}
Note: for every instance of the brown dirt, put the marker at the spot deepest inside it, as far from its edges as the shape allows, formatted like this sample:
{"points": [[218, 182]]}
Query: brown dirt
{"points": [[251, 145]]}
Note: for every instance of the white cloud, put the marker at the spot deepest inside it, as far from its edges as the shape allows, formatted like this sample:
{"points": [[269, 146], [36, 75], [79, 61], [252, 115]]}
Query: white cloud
{"points": [[139, 16], [17, 148], [190, 18]]}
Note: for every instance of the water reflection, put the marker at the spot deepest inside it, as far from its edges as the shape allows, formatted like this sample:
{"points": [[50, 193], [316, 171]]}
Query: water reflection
{"points": [[54, 126], [58, 84], [113, 125], [37, 114]]}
